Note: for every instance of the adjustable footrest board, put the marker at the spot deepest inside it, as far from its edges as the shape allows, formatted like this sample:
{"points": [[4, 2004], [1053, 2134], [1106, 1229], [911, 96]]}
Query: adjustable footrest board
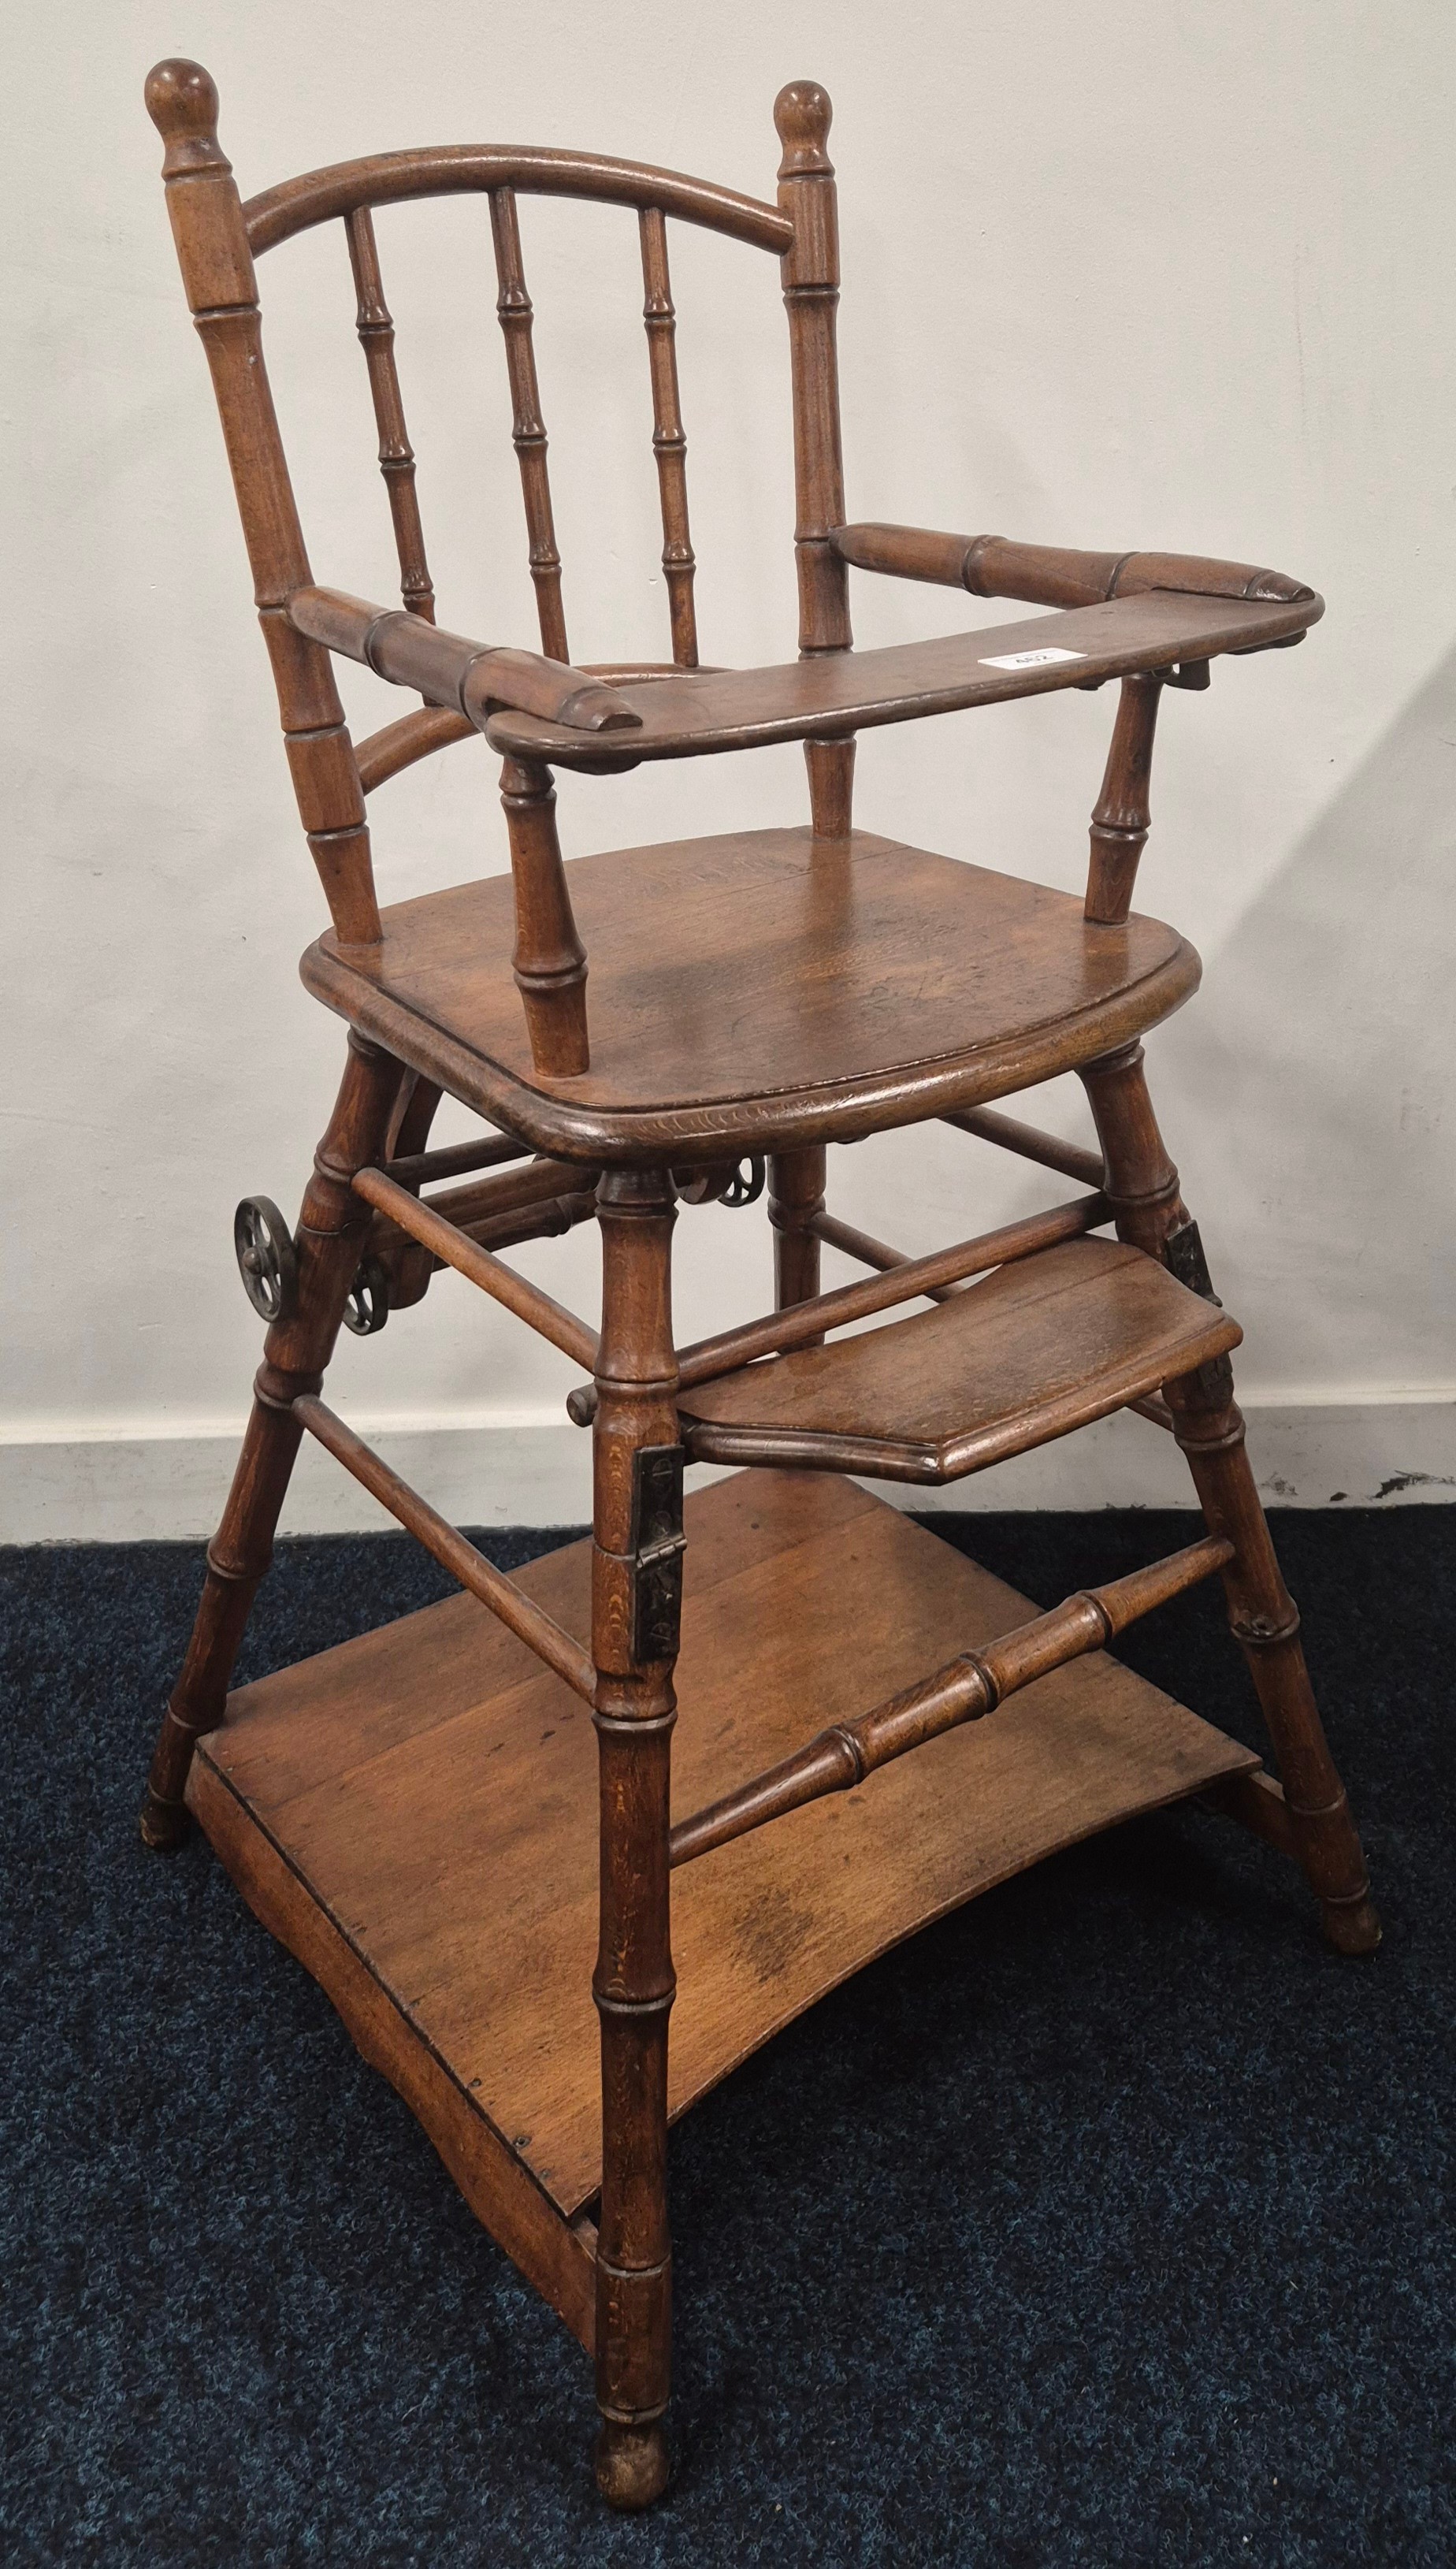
{"points": [[1042, 1346], [415, 1815]]}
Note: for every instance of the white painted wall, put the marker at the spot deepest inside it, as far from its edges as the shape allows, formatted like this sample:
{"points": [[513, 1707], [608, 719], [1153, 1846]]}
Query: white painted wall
{"points": [[1130, 273]]}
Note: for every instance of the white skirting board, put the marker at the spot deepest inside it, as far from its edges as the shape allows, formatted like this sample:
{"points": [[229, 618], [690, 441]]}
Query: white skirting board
{"points": [[125, 1484]]}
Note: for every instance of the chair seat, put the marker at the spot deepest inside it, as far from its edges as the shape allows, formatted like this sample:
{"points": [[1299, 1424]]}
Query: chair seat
{"points": [[761, 989], [1039, 1348]]}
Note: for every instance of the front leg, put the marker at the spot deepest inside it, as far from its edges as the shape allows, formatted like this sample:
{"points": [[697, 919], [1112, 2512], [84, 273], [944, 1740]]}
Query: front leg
{"points": [[636, 1591], [1142, 1184]]}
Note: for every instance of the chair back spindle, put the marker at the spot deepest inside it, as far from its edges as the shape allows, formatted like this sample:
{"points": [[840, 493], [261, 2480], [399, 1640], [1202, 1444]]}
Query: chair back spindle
{"points": [[527, 429], [217, 238], [811, 267], [375, 326], [221, 288], [669, 441]]}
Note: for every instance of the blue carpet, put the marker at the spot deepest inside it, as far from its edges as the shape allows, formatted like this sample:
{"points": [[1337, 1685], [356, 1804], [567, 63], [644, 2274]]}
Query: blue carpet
{"points": [[1107, 2223]]}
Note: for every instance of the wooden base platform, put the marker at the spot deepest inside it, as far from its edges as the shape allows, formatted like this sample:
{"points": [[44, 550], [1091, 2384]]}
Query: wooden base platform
{"points": [[414, 1814]]}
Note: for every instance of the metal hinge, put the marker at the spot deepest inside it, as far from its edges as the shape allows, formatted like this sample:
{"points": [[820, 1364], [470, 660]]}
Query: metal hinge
{"points": [[1183, 1255], [658, 1545]]}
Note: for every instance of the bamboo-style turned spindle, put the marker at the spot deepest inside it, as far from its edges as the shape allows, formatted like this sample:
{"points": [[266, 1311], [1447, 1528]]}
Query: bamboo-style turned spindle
{"points": [[967, 1689], [633, 1983], [478, 1577], [218, 272], [1121, 816], [796, 1195], [1047, 1149], [1142, 1183], [804, 1323], [298, 1349], [811, 271], [375, 326], [550, 960], [527, 429], [541, 1312], [670, 439]]}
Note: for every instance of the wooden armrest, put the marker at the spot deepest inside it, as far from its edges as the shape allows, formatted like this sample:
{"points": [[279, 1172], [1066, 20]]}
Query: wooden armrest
{"points": [[473, 678], [1045, 575]]}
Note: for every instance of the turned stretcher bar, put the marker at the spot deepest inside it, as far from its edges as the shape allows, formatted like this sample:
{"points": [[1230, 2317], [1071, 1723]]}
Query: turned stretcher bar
{"points": [[966, 1689]]}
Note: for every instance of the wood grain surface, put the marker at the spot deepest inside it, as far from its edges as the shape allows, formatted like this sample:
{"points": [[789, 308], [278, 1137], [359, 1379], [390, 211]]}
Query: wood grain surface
{"points": [[1037, 1349], [759, 985], [434, 1791], [720, 709]]}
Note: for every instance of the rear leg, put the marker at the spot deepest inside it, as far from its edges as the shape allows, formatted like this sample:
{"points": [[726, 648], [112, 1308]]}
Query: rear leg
{"points": [[331, 1231]]}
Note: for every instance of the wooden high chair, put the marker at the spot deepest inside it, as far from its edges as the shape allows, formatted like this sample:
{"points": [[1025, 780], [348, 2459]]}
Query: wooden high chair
{"points": [[413, 1813]]}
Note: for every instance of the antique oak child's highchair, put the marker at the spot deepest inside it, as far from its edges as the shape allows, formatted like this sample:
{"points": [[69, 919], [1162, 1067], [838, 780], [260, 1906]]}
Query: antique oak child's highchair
{"points": [[423, 1815]]}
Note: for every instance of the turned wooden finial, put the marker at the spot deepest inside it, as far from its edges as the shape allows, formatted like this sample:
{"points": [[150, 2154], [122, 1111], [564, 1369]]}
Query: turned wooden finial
{"points": [[181, 101], [803, 114]]}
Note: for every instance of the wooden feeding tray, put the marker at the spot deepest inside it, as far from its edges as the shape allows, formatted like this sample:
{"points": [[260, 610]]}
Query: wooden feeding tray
{"points": [[415, 1815]]}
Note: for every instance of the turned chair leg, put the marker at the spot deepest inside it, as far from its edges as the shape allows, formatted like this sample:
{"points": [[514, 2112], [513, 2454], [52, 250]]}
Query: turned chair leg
{"points": [[1264, 1621], [331, 1230], [795, 1194], [1142, 1184], [636, 1598]]}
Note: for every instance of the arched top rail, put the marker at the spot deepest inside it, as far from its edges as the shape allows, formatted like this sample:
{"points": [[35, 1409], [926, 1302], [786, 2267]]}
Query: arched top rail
{"points": [[459, 168]]}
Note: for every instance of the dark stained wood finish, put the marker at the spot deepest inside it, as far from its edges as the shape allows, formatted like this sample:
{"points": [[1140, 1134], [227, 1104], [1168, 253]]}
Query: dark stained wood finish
{"points": [[818, 696], [971, 1685], [817, 989], [491, 1585], [1120, 817], [558, 2257], [796, 1198], [453, 169], [1143, 1182], [635, 1983], [802, 1323], [540, 1310], [1039, 1348], [375, 326], [1047, 1149], [415, 1815], [398, 745], [1044, 575], [221, 289], [432, 1788], [549, 960], [807, 195], [450, 670], [527, 429], [329, 1238], [670, 439]]}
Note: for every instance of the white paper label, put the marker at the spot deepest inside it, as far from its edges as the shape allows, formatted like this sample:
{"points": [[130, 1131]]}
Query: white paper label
{"points": [[1031, 659]]}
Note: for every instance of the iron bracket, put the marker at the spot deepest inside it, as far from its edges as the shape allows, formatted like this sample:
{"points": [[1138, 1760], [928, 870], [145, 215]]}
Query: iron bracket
{"points": [[658, 1544]]}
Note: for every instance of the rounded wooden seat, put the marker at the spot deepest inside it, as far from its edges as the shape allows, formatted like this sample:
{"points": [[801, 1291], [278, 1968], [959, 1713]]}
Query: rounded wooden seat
{"points": [[758, 988]]}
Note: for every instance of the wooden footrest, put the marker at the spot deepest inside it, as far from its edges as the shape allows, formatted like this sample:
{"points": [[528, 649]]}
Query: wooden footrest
{"points": [[415, 1815], [1041, 1346]]}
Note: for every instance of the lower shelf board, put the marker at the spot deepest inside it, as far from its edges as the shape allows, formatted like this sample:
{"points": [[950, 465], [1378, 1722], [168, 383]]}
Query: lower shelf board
{"points": [[414, 1815]]}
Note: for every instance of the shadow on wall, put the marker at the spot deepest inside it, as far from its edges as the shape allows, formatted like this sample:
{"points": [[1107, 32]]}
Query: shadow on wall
{"points": [[1337, 996]]}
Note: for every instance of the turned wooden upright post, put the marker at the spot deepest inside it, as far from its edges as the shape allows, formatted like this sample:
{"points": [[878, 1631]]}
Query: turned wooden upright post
{"points": [[1142, 1184], [1121, 816], [550, 962], [795, 1194], [331, 1231], [221, 289], [807, 195], [636, 1588]]}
